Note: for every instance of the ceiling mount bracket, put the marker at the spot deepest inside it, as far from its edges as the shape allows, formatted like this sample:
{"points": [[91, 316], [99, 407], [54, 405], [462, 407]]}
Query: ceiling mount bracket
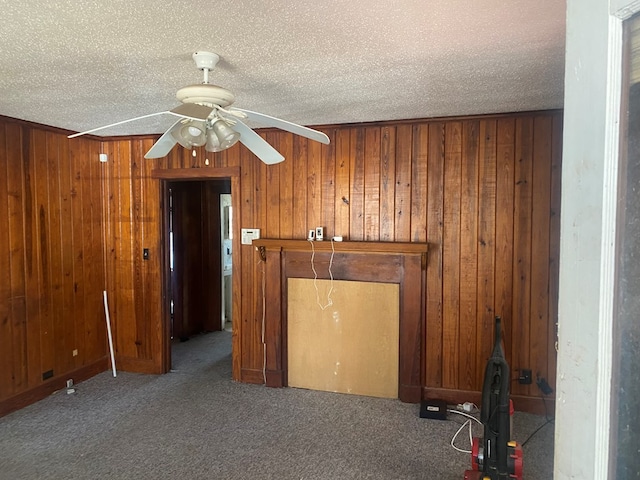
{"points": [[206, 61]]}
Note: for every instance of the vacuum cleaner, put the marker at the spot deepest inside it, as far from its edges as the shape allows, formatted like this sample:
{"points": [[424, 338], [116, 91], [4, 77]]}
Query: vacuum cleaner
{"points": [[499, 457]]}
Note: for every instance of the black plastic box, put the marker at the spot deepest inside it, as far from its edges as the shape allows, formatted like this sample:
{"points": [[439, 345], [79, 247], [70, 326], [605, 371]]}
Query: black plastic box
{"points": [[436, 409]]}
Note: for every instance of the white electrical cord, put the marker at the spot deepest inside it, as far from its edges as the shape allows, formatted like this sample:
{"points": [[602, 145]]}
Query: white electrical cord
{"points": [[470, 419], [467, 422], [264, 345], [315, 276]]}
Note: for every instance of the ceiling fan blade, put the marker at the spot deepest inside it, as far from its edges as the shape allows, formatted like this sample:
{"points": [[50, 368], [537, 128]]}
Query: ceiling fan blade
{"points": [[164, 144], [192, 111], [117, 123], [257, 144], [270, 121]]}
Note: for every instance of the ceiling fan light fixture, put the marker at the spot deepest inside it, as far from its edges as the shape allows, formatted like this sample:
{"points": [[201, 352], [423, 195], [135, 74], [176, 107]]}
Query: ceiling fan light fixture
{"points": [[226, 136], [191, 134], [213, 142]]}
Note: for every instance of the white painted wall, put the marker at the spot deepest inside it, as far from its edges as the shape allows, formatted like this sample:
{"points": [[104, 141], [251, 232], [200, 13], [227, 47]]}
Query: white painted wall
{"points": [[590, 153]]}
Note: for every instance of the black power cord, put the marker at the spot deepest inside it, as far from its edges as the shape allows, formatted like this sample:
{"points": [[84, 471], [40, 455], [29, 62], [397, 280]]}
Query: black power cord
{"points": [[546, 389]]}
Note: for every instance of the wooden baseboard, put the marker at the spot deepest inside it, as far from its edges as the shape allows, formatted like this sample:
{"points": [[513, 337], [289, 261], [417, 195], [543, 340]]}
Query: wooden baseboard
{"points": [[248, 375], [54, 384], [538, 405], [137, 365]]}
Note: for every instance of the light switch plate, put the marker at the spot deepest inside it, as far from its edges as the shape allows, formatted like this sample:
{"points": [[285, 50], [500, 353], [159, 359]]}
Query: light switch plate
{"points": [[249, 234]]}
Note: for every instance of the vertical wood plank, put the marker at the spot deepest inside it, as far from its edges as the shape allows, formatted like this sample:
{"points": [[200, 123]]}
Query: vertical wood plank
{"points": [[7, 384], [540, 238], [272, 226], [286, 186], [403, 184], [77, 166], [486, 244], [314, 186], [15, 224], [299, 163], [328, 179], [67, 238], [356, 184], [468, 254], [372, 184], [32, 264], [420, 152], [505, 158], [90, 266], [342, 201], [435, 225], [152, 210], [387, 183], [44, 240], [521, 325], [451, 256], [251, 214], [56, 252]]}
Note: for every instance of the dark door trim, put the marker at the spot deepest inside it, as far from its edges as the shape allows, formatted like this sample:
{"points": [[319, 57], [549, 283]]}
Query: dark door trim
{"points": [[195, 174]]}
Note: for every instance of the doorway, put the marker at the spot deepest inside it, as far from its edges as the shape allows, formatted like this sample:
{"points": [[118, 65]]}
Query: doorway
{"points": [[198, 254]]}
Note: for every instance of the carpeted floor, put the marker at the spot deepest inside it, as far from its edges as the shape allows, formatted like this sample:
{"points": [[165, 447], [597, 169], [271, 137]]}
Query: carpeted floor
{"points": [[195, 423]]}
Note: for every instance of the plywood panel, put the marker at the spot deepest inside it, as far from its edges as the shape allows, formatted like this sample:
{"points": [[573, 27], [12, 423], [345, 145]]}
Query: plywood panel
{"points": [[350, 347]]}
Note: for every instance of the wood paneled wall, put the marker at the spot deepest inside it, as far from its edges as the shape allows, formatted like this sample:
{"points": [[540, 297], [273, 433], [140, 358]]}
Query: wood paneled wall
{"points": [[51, 245], [484, 192]]}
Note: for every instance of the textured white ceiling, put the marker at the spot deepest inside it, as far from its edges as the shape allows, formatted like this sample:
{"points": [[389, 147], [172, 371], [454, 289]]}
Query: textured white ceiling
{"points": [[82, 64]]}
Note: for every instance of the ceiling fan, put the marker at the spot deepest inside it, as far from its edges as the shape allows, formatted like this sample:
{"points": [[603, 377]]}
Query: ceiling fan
{"points": [[205, 118]]}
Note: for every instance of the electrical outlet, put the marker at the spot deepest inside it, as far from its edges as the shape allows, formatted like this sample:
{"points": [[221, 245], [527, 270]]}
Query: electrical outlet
{"points": [[525, 377]]}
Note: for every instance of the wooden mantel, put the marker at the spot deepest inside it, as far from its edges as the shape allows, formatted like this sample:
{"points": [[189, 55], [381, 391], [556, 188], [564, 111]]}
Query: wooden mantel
{"points": [[388, 262], [351, 247]]}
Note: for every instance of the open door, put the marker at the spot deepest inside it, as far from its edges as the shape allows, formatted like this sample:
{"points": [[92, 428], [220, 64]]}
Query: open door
{"points": [[196, 269]]}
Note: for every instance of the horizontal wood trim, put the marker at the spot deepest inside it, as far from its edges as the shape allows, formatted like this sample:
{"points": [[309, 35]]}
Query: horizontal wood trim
{"points": [[194, 173], [538, 405], [347, 247], [52, 385]]}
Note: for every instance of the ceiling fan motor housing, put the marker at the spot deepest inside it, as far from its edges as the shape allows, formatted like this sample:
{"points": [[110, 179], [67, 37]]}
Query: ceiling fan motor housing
{"points": [[206, 94]]}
